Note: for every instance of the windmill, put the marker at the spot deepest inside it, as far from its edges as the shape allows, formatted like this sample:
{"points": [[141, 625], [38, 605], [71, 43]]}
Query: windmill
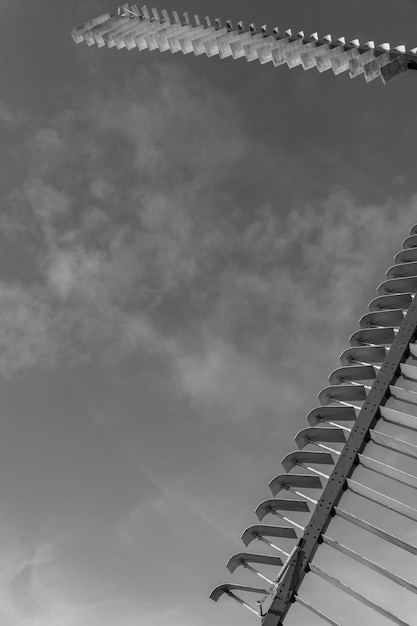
{"points": [[376, 385]]}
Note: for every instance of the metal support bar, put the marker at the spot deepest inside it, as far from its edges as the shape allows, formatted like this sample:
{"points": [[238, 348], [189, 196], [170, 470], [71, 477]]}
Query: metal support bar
{"points": [[302, 495], [358, 596], [272, 545], [255, 571], [287, 519], [243, 603], [332, 493], [312, 609]]}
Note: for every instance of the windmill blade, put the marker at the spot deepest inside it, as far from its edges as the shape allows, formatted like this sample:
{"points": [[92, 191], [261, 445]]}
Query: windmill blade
{"points": [[150, 30]]}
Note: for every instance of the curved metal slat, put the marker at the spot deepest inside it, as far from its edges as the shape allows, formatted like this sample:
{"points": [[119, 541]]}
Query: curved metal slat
{"points": [[280, 504], [410, 242], [302, 457], [398, 285], [352, 372], [260, 559], [331, 413], [314, 434], [264, 530], [363, 354], [222, 589], [342, 393], [379, 336], [402, 270], [406, 256], [294, 481], [391, 301], [390, 317], [227, 589]]}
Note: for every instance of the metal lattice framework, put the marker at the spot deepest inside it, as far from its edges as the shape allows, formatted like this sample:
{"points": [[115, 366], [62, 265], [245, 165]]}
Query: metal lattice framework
{"points": [[376, 385]]}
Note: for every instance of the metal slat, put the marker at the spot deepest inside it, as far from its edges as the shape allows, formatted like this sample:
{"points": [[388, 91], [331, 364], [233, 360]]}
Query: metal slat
{"points": [[352, 372], [401, 270], [259, 559], [389, 472], [314, 434], [394, 444], [363, 354], [372, 336], [406, 256], [301, 457], [368, 563], [410, 242], [398, 418], [391, 301], [403, 394], [382, 500], [227, 589], [413, 349], [331, 413], [342, 393], [358, 596], [409, 371], [390, 317], [398, 285], [375, 530]]}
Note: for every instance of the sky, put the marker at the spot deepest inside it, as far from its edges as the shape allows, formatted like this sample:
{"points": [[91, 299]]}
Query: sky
{"points": [[186, 245]]}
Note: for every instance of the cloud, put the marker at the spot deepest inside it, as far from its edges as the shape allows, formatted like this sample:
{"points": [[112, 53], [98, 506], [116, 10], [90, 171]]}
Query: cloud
{"points": [[8, 118], [159, 255], [27, 337]]}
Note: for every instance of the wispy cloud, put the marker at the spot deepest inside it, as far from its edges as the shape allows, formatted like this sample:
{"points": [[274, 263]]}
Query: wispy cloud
{"points": [[157, 254]]}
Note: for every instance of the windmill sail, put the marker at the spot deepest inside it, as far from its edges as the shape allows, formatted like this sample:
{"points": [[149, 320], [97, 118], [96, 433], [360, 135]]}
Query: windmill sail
{"points": [[364, 430], [141, 29]]}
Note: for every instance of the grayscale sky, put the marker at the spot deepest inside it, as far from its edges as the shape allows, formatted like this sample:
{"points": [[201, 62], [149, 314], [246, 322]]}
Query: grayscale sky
{"points": [[186, 245]]}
